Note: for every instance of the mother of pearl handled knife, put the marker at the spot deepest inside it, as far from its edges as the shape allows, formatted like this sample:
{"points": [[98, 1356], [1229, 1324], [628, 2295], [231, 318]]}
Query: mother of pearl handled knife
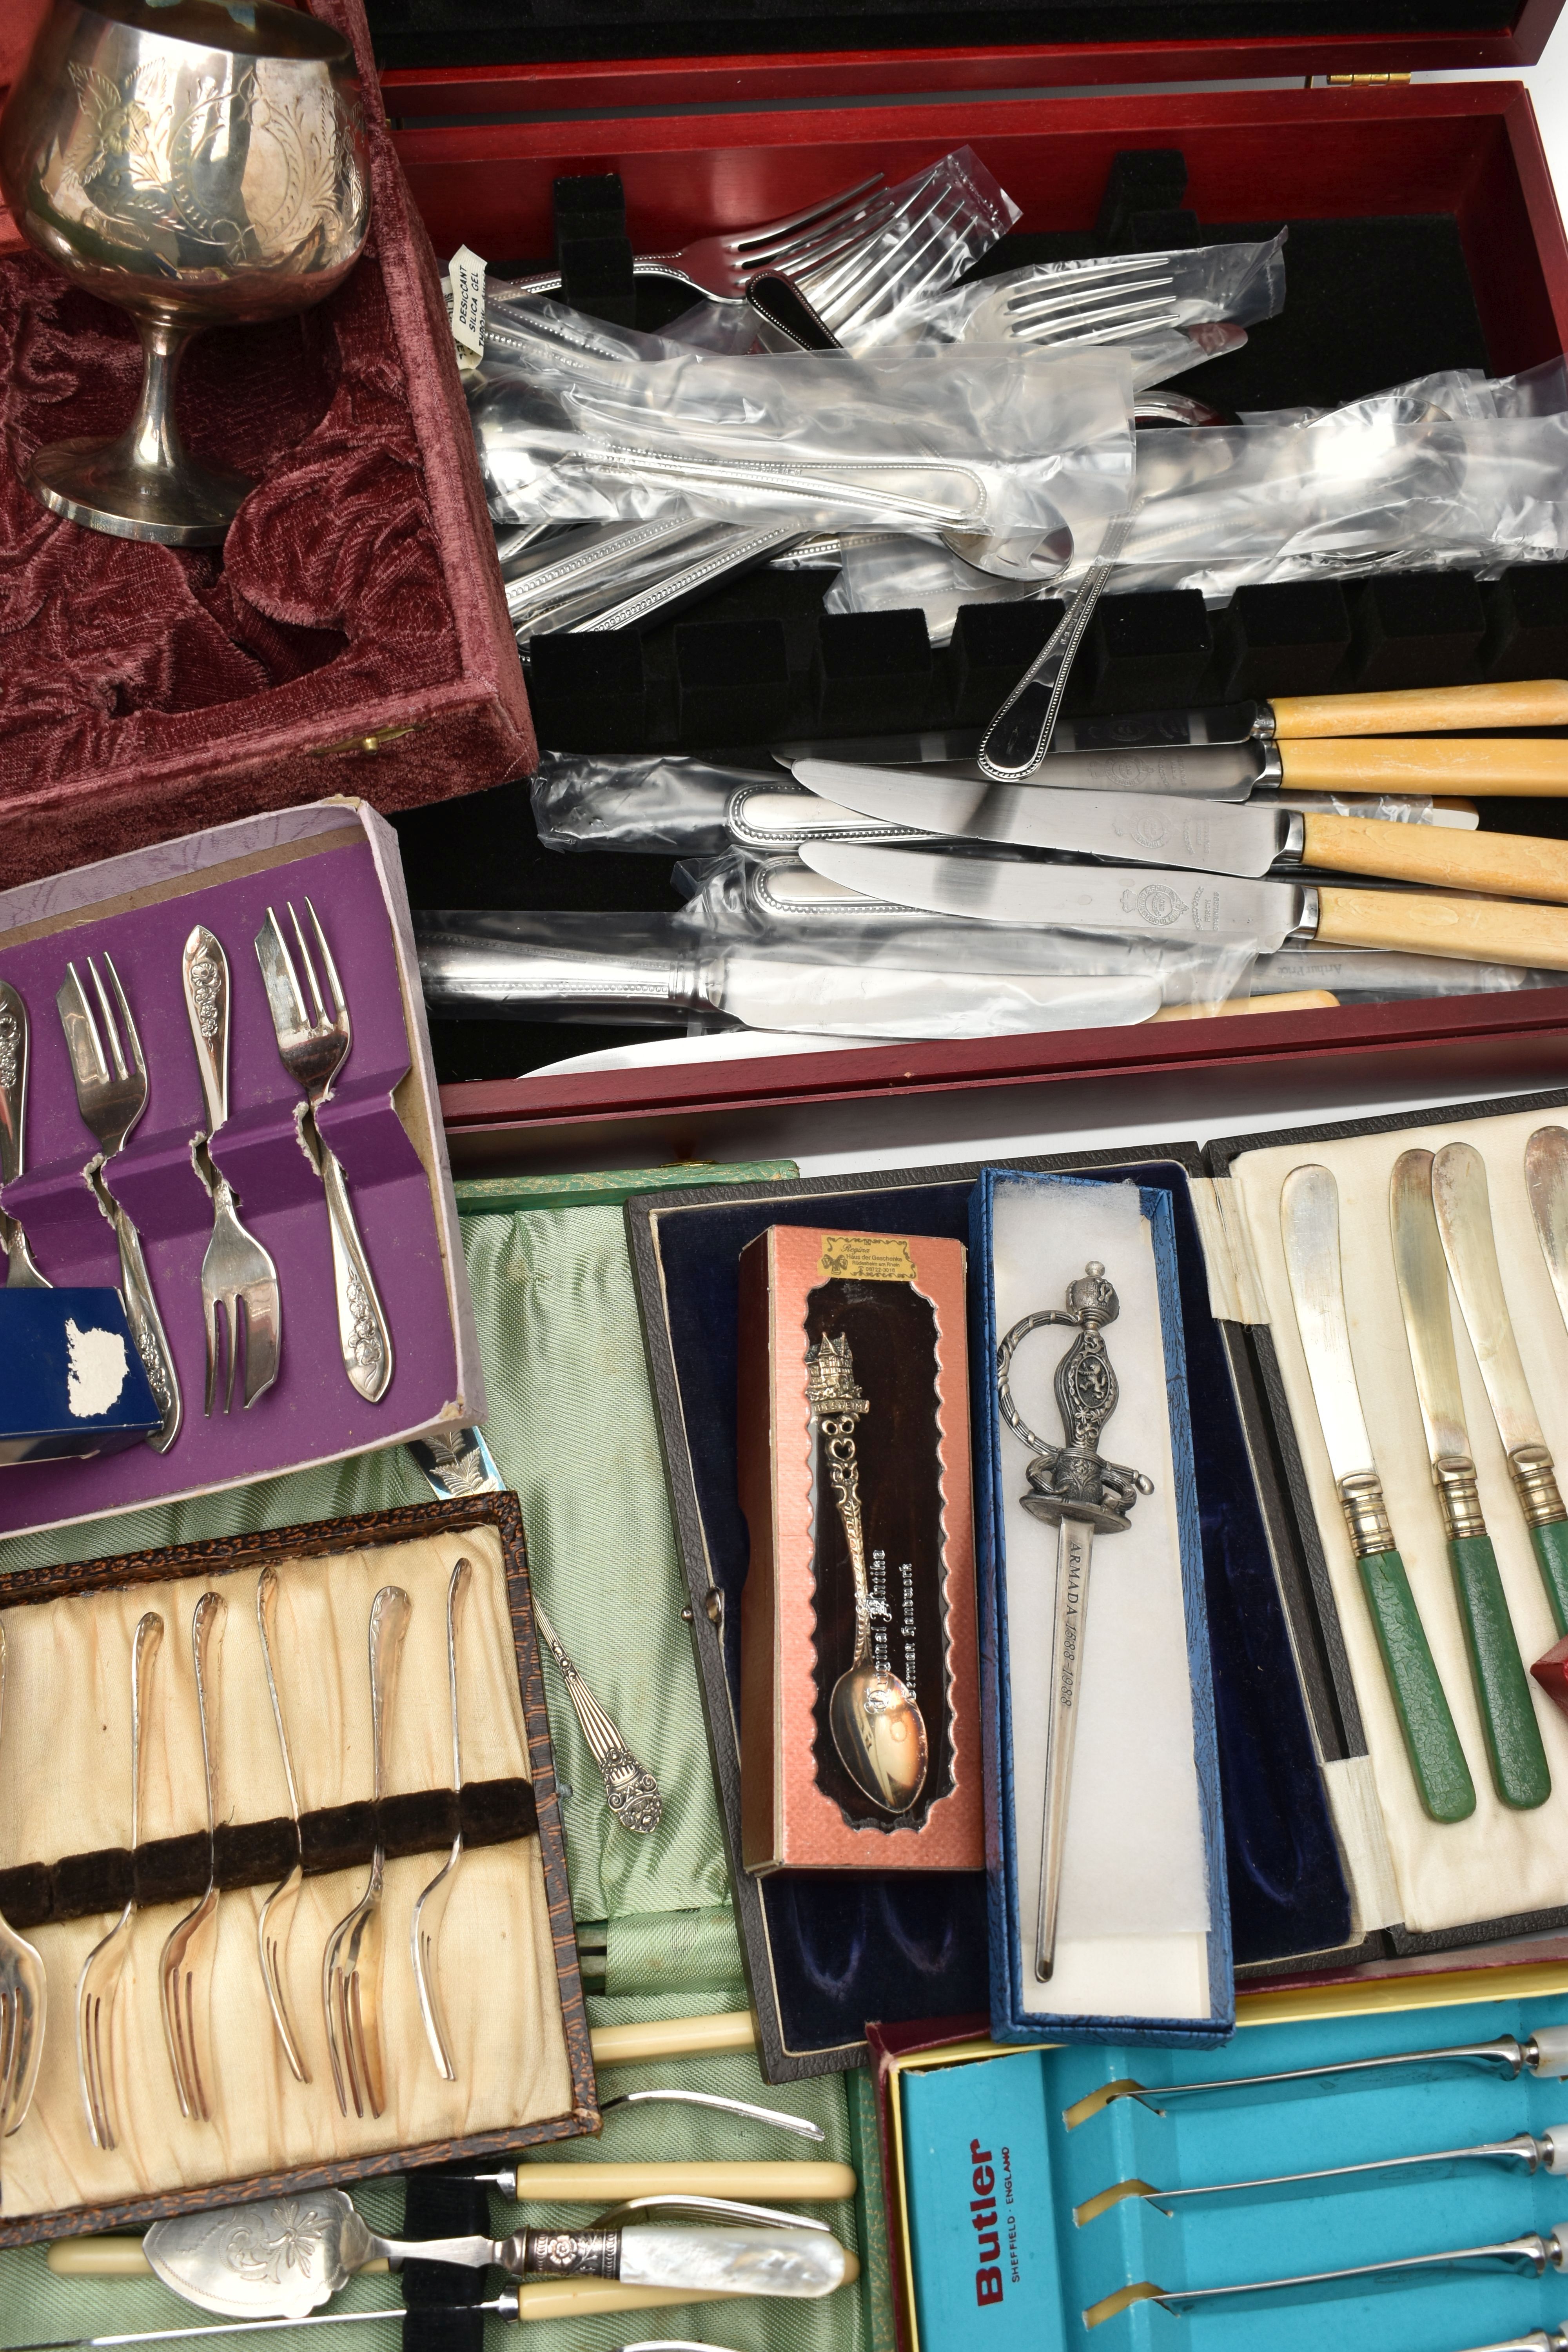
{"points": [[1520, 1774], [1164, 903], [1209, 836], [1464, 1219], [1309, 1227]]}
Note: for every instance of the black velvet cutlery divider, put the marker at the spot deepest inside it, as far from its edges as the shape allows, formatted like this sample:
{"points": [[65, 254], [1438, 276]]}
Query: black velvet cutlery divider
{"points": [[261, 1853]]}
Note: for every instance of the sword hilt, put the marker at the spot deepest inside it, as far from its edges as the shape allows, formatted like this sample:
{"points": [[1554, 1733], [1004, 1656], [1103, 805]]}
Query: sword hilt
{"points": [[1073, 1481]]}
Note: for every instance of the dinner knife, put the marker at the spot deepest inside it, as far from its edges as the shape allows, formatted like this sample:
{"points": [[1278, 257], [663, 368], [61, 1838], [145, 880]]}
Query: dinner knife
{"points": [[465, 973], [1519, 1771], [1160, 903], [21, 1274], [1537, 702], [1310, 1229], [1196, 834], [1464, 1219], [1546, 1181]]}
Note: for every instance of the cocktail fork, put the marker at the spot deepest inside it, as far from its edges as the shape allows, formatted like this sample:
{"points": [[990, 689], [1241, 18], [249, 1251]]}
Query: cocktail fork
{"points": [[24, 1994], [430, 1911], [350, 1967], [185, 1968], [313, 1043], [272, 1929], [112, 1095], [99, 1983]]}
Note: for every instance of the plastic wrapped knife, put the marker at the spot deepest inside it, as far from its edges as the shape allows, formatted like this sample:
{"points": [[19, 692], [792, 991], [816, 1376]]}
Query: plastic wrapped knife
{"points": [[1525, 2152], [1518, 1760], [1461, 1198], [1531, 2256], [1168, 903], [1309, 1231], [1193, 833]]}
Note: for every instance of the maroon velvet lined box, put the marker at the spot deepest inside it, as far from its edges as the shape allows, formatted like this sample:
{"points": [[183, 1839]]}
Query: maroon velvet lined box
{"points": [[350, 633]]}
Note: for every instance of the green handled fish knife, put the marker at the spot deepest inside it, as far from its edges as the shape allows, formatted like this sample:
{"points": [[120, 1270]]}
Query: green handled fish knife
{"points": [[1464, 1219], [1520, 1774], [1309, 1225]]}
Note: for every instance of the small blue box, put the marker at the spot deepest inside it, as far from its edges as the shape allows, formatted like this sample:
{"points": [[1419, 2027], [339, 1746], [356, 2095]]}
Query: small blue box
{"points": [[70, 1379], [1146, 1954]]}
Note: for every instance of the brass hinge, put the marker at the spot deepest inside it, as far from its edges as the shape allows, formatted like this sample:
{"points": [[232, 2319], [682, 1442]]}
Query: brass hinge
{"points": [[367, 742], [1362, 81]]}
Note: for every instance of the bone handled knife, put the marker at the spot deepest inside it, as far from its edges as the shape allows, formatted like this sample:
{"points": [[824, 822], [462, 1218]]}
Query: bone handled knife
{"points": [[1158, 902], [1253, 840], [1309, 1227], [1461, 1198], [1519, 1771]]}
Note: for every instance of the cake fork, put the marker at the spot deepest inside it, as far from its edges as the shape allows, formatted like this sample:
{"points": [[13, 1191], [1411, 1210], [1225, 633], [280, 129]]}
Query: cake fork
{"points": [[99, 1985], [313, 1045], [277, 1918], [185, 1968], [24, 1993], [112, 1095], [237, 1271], [430, 1911], [350, 1967]]}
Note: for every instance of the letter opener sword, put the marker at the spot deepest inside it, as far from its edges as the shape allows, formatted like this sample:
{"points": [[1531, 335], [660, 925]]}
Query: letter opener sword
{"points": [[1309, 1227], [1071, 1488]]}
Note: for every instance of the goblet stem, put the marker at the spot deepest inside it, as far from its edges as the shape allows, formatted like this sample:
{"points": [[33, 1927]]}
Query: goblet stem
{"points": [[153, 440]]}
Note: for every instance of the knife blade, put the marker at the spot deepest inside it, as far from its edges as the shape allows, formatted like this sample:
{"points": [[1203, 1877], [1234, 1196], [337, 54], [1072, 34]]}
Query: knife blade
{"points": [[1197, 833], [1519, 1771], [21, 1274], [1309, 1228], [1460, 1199], [1157, 904]]}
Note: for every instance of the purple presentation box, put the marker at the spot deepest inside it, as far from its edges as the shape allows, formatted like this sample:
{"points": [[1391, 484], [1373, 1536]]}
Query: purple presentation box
{"points": [[384, 1122]]}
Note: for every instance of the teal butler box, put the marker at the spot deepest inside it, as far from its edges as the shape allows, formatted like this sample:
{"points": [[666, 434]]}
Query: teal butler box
{"points": [[977, 2178], [70, 1379]]}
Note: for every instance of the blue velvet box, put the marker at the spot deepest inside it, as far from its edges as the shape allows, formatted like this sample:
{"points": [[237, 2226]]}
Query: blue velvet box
{"points": [[1146, 1954], [70, 1380]]}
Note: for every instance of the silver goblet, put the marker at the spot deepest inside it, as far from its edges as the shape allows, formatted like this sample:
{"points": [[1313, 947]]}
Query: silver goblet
{"points": [[199, 162]]}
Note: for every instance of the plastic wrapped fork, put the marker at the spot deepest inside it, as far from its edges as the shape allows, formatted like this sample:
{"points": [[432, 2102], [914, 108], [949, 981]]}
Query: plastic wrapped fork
{"points": [[1118, 298]]}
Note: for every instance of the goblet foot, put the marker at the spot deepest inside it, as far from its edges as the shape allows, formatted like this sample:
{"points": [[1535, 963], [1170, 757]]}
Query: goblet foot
{"points": [[109, 486]]}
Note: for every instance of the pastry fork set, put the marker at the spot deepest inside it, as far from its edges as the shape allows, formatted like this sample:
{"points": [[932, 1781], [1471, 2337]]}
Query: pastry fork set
{"points": [[241, 1301]]}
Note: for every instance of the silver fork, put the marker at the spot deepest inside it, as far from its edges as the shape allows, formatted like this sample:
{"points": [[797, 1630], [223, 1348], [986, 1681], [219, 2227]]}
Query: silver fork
{"points": [[98, 1987], [313, 1045], [185, 1968], [430, 1911], [236, 1271], [112, 1095], [277, 1918], [24, 2001], [21, 1274], [352, 1964], [721, 266], [1081, 302]]}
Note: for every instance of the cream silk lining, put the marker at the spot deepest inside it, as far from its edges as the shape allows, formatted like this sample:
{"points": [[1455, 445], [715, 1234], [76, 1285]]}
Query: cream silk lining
{"points": [[67, 1778]]}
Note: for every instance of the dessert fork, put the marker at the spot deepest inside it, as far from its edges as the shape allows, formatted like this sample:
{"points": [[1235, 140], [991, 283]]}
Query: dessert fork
{"points": [[24, 1994], [277, 1918], [430, 1911], [112, 1095], [97, 1986], [186, 1970], [237, 1271], [313, 1045], [721, 266], [350, 1967]]}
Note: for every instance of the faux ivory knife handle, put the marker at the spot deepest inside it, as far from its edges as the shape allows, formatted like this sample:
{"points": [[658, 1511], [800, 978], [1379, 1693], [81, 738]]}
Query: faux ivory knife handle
{"points": [[1530, 702], [1437, 1759], [1476, 765], [1520, 1774], [1503, 862], [1477, 930]]}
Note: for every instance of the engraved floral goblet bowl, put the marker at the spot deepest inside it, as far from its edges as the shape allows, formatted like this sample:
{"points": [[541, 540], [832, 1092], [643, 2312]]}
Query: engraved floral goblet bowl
{"points": [[199, 162]]}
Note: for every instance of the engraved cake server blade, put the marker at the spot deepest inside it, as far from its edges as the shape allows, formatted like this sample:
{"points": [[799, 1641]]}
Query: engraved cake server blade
{"points": [[98, 1987], [237, 1272], [21, 1274], [276, 1922], [1310, 1227], [430, 1911], [1073, 1489], [1460, 1199], [1519, 1767], [24, 2001], [185, 1968]]}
